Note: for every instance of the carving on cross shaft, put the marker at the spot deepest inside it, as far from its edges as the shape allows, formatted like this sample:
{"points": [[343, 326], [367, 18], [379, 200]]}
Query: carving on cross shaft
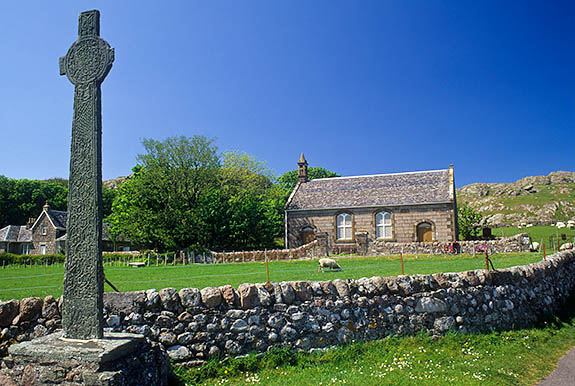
{"points": [[86, 64]]}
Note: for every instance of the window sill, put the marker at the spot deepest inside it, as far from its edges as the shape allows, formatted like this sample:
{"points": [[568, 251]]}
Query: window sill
{"points": [[342, 241]]}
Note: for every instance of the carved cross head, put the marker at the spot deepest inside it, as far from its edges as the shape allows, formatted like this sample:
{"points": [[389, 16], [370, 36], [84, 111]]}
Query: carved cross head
{"points": [[90, 58]]}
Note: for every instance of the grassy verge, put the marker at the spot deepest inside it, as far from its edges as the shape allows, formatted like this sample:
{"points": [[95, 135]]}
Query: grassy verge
{"points": [[20, 282], [520, 357]]}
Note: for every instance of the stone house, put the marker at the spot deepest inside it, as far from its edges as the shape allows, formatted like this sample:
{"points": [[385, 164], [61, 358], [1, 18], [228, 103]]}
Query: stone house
{"points": [[15, 239], [47, 235], [48, 227], [353, 213]]}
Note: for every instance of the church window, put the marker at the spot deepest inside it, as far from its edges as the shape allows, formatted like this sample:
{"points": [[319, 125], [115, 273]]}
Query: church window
{"points": [[383, 225], [43, 228], [344, 226]]}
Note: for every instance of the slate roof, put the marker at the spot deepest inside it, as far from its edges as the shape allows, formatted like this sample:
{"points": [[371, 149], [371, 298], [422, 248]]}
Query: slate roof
{"points": [[58, 217], [16, 234], [424, 187]]}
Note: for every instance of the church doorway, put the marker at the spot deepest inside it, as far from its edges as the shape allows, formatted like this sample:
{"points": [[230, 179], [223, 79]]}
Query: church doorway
{"points": [[424, 232], [307, 235]]}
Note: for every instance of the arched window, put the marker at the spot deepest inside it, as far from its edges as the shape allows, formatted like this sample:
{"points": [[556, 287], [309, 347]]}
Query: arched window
{"points": [[344, 226], [383, 225]]}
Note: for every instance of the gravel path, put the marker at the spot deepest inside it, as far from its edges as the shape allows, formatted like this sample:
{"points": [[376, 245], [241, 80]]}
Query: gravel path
{"points": [[564, 374]]}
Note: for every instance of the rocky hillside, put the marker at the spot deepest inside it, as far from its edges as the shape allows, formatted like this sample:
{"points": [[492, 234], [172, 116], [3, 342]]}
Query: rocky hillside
{"points": [[538, 200], [114, 183]]}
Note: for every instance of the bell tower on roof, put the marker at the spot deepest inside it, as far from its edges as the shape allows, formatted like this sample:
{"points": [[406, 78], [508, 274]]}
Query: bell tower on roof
{"points": [[302, 169]]}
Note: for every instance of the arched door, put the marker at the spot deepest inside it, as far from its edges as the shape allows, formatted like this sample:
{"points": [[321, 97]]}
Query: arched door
{"points": [[424, 232], [307, 235]]}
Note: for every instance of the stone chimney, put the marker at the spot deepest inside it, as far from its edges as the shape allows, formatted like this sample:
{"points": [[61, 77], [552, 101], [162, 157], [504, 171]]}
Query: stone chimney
{"points": [[302, 169], [31, 221]]}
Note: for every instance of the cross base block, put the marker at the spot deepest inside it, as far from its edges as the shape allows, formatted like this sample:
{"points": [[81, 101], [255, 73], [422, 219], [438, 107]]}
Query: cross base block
{"points": [[117, 359]]}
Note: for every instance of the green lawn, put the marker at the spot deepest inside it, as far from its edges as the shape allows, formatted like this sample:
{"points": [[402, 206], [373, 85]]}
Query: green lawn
{"points": [[537, 233], [500, 358], [19, 282]]}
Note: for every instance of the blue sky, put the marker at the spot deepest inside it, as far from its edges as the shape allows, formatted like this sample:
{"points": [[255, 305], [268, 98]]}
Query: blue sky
{"points": [[361, 87]]}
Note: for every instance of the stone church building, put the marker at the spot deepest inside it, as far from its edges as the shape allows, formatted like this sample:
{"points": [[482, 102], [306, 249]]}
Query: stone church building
{"points": [[350, 213]]}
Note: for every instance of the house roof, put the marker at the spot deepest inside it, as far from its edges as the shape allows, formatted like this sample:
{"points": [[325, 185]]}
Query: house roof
{"points": [[56, 217], [16, 234], [425, 187]]}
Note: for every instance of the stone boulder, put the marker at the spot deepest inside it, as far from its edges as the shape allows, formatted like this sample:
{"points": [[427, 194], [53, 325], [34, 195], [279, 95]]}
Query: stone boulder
{"points": [[170, 300], [50, 308], [328, 288], [302, 290], [431, 305], [287, 293], [125, 302], [30, 309], [230, 295], [248, 295], [264, 297], [211, 297], [342, 288], [443, 324], [366, 287], [190, 298], [153, 300], [179, 353], [8, 311]]}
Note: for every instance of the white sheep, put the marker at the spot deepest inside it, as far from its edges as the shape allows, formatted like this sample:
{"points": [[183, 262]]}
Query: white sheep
{"points": [[534, 246], [328, 263]]}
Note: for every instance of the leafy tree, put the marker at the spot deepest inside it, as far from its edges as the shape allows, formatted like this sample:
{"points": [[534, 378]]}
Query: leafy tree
{"points": [[162, 203], [180, 195], [108, 196], [23, 199], [288, 180], [468, 220], [250, 205]]}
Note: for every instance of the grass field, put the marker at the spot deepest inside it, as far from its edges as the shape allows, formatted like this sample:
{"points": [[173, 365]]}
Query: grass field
{"points": [[538, 233], [19, 282], [500, 358]]}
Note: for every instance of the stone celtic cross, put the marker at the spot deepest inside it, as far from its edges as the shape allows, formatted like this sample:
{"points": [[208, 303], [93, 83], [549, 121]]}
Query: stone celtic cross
{"points": [[86, 64]]}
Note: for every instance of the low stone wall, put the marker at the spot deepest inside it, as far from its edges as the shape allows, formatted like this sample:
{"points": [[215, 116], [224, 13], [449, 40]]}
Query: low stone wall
{"points": [[195, 324], [311, 249], [517, 243]]}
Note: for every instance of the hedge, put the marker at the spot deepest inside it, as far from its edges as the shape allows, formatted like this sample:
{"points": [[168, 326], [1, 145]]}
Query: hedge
{"points": [[11, 258]]}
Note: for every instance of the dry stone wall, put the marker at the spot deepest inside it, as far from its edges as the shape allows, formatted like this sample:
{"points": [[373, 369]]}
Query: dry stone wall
{"points": [[312, 249], [517, 243], [194, 324]]}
